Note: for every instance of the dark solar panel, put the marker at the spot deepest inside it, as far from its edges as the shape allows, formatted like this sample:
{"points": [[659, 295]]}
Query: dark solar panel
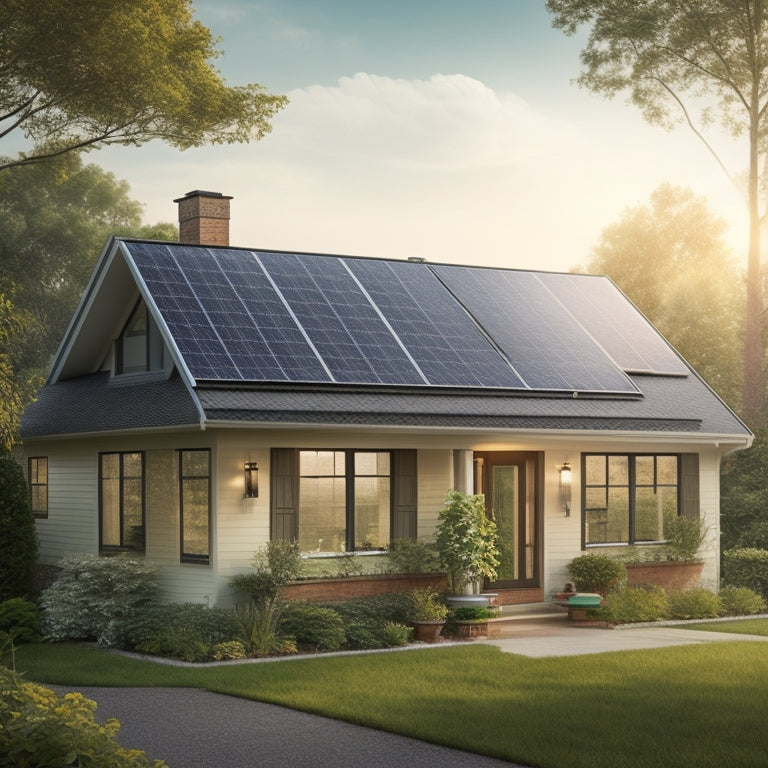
{"points": [[542, 340], [441, 338], [350, 336], [615, 323]]}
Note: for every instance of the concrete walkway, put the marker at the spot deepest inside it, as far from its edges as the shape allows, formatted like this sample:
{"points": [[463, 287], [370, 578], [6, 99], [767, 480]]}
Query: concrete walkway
{"points": [[560, 638]]}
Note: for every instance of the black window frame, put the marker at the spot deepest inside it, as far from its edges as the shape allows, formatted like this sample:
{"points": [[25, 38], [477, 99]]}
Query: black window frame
{"points": [[193, 557], [123, 546], [154, 348], [285, 492], [632, 486], [35, 483]]}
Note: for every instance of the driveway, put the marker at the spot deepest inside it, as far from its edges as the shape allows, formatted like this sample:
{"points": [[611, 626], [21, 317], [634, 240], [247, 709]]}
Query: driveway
{"points": [[191, 728]]}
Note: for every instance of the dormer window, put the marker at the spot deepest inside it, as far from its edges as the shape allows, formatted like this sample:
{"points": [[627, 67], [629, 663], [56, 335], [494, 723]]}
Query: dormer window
{"points": [[140, 346]]}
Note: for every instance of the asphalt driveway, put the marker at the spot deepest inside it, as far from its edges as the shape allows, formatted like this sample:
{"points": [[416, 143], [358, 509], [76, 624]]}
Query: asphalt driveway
{"points": [[191, 728]]}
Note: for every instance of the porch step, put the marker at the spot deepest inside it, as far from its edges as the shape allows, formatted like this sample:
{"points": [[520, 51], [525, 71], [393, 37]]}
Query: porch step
{"points": [[531, 612]]}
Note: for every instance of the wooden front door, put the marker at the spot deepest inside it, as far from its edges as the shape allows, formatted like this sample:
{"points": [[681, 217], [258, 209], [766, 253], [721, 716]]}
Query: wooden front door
{"points": [[511, 483]]}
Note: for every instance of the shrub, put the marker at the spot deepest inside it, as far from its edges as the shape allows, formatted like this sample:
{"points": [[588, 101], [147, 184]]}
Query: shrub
{"points": [[95, 597], [694, 604], [313, 625], [594, 572], [473, 613], [19, 619], [259, 631], [234, 649], [18, 538], [273, 567], [746, 568], [375, 609], [684, 536], [390, 634], [39, 729], [185, 631], [467, 541], [412, 556], [427, 605], [740, 601], [755, 535], [637, 604]]}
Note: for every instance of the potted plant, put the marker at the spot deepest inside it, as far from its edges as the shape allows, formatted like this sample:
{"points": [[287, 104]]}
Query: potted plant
{"points": [[471, 621], [428, 613], [467, 543]]}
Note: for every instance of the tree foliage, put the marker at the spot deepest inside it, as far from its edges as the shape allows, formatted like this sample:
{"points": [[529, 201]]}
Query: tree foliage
{"points": [[18, 538], [670, 258], [55, 218], [696, 63], [78, 74]]}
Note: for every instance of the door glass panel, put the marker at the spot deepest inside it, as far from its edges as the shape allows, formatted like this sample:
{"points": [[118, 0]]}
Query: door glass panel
{"points": [[504, 482]]}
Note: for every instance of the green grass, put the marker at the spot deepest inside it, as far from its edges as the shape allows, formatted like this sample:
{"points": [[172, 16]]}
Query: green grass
{"points": [[736, 627], [701, 705]]}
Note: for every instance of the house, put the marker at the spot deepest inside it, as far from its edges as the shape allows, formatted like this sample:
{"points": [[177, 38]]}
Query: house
{"points": [[207, 398]]}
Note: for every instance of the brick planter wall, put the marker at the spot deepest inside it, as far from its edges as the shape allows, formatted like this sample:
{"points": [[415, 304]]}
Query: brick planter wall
{"points": [[326, 590], [670, 576]]}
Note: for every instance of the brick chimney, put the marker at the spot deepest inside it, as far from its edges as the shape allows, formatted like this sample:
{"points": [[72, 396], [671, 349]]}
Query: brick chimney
{"points": [[204, 218]]}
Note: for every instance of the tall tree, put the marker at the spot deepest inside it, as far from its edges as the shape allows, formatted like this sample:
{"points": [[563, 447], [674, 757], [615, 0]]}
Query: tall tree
{"points": [[690, 62], [76, 74], [55, 218], [671, 260]]}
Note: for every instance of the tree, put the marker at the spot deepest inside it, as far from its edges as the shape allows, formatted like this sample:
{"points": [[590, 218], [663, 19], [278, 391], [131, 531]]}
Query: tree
{"points": [[77, 74], [55, 218], [18, 539], [670, 258], [681, 59]]}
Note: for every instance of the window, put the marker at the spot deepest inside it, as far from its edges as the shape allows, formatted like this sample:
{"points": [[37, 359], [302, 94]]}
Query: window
{"points": [[627, 496], [37, 475], [121, 501], [140, 346], [343, 500], [195, 505]]}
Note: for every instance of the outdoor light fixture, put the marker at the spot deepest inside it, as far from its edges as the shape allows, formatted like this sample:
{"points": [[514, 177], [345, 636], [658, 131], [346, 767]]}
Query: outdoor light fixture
{"points": [[251, 480], [566, 478]]}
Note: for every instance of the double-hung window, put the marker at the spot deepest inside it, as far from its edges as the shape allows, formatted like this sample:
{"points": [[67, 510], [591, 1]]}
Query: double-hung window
{"points": [[195, 505], [37, 476], [121, 501], [626, 497], [343, 500]]}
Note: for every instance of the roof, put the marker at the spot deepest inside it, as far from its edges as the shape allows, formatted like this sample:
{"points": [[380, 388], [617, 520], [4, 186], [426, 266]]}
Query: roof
{"points": [[269, 337]]}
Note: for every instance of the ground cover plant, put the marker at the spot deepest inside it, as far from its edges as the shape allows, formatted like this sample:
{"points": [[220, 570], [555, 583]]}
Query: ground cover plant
{"points": [[699, 705]]}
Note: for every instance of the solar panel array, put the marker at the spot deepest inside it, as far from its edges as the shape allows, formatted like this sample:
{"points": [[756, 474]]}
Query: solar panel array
{"points": [[256, 316]]}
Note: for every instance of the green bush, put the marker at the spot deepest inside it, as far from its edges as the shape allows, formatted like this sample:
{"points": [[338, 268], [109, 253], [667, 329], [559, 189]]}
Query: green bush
{"points": [[594, 572], [18, 538], [746, 567], [39, 729], [368, 636], [740, 601], [696, 603], [684, 536], [234, 649], [313, 625], [755, 535], [473, 613], [20, 620], [375, 609], [412, 556], [637, 604], [95, 597]]}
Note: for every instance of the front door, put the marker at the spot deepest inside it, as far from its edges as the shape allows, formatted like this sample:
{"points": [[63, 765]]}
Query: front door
{"points": [[510, 482]]}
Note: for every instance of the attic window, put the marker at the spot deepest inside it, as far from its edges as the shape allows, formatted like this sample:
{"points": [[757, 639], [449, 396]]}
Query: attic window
{"points": [[140, 347]]}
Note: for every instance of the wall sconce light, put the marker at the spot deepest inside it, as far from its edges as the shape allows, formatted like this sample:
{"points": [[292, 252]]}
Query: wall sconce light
{"points": [[566, 478], [251, 480]]}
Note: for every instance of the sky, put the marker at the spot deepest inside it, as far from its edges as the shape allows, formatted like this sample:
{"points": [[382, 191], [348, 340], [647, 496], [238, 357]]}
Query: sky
{"points": [[441, 129]]}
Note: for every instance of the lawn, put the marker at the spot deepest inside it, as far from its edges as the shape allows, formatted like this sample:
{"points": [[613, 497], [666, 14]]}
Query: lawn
{"points": [[701, 705]]}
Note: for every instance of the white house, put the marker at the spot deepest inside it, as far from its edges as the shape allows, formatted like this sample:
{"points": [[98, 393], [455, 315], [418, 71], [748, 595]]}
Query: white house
{"points": [[208, 398]]}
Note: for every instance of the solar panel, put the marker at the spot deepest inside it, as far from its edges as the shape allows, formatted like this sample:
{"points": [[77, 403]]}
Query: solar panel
{"points": [[442, 339], [615, 323], [350, 336], [542, 340]]}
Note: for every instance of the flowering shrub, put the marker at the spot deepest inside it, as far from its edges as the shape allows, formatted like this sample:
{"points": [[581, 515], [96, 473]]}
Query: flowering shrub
{"points": [[93, 597], [39, 729]]}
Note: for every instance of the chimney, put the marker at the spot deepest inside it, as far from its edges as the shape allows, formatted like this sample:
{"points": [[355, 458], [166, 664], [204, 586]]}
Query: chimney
{"points": [[204, 218]]}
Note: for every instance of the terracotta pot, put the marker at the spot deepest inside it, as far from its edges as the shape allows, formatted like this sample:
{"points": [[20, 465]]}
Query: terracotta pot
{"points": [[427, 631]]}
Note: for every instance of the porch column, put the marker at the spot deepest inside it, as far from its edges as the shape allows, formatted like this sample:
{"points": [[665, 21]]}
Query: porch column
{"points": [[463, 473]]}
